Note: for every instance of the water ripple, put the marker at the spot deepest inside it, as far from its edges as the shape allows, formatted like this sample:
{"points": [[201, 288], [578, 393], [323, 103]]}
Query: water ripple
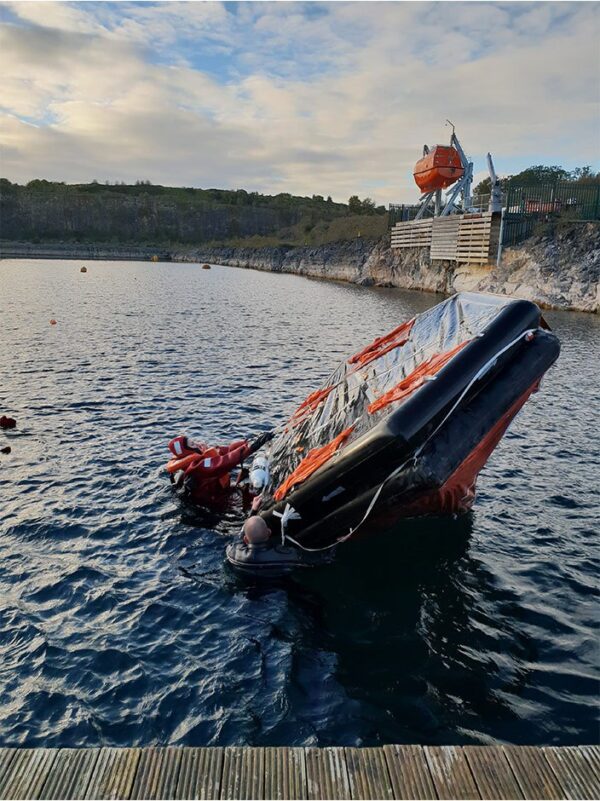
{"points": [[120, 623]]}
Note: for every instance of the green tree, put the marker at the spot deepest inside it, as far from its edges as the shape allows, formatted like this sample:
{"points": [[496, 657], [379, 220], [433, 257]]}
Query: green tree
{"points": [[585, 175], [354, 205], [540, 174], [368, 206]]}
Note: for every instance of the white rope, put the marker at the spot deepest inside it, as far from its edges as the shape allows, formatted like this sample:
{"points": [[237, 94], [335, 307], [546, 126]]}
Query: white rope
{"points": [[289, 513], [481, 372]]}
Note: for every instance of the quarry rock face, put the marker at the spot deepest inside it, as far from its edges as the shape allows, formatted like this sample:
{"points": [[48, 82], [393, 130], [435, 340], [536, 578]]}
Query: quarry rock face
{"points": [[558, 270]]}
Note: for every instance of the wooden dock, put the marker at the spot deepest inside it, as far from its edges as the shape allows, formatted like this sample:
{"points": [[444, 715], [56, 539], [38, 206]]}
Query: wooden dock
{"points": [[394, 771]]}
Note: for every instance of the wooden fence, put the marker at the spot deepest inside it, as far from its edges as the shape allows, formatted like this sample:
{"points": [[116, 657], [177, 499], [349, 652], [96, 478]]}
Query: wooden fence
{"points": [[413, 234], [464, 238]]}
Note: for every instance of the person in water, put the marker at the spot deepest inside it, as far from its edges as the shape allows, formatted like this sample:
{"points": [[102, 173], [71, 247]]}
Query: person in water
{"points": [[204, 472], [255, 531]]}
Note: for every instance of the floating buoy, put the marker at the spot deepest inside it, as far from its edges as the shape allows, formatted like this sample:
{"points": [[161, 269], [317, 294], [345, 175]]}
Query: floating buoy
{"points": [[83, 270], [7, 422], [206, 266], [53, 321], [7, 449]]}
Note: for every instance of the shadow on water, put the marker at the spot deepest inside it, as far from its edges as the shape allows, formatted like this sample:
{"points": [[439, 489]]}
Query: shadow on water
{"points": [[417, 653]]}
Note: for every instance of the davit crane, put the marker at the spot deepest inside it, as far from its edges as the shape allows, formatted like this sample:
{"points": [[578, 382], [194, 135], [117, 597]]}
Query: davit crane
{"points": [[445, 166]]}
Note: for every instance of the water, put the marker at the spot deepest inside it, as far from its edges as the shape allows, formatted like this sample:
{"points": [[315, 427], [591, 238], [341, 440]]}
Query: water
{"points": [[120, 623]]}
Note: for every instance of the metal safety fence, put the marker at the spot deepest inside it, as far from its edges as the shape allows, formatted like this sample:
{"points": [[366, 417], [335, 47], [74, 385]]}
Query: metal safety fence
{"points": [[529, 207]]}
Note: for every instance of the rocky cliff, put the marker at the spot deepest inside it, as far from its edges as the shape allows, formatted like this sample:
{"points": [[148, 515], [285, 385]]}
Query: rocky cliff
{"points": [[559, 269]]}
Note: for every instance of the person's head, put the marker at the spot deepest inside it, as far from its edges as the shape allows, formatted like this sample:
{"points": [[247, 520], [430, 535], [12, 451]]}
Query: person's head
{"points": [[181, 446], [255, 530]]}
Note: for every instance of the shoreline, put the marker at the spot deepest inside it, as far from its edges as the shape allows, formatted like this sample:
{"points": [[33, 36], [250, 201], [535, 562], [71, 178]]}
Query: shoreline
{"points": [[559, 270]]}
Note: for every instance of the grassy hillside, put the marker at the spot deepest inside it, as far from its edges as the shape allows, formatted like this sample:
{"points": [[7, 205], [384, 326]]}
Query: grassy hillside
{"points": [[144, 214]]}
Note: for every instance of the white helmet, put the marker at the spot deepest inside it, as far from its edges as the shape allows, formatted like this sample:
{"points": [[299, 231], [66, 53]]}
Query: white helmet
{"points": [[259, 473]]}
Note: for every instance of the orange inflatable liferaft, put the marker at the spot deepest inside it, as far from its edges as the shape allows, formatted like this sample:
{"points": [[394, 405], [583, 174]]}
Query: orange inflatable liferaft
{"points": [[440, 168]]}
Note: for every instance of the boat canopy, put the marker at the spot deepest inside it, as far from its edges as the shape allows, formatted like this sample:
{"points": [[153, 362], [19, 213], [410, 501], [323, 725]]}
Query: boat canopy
{"points": [[374, 383]]}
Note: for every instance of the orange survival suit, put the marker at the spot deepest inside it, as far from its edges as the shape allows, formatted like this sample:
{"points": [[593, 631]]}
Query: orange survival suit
{"points": [[205, 470]]}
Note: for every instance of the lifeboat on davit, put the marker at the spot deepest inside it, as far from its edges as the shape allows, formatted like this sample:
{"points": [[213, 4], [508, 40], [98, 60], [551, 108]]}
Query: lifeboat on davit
{"points": [[438, 169]]}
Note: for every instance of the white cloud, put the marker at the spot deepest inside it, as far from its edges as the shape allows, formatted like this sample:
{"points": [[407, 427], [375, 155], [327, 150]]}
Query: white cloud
{"points": [[336, 99]]}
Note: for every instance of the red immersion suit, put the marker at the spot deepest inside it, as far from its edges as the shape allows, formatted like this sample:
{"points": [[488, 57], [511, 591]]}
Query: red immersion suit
{"points": [[206, 470]]}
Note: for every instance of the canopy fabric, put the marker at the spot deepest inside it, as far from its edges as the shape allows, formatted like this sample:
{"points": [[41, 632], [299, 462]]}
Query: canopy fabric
{"points": [[393, 367]]}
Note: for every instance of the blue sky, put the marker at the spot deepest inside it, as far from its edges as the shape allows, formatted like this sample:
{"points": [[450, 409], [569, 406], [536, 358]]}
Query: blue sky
{"points": [[324, 98]]}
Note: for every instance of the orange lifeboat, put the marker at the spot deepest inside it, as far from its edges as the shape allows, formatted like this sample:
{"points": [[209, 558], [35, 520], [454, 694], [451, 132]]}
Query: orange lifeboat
{"points": [[438, 169]]}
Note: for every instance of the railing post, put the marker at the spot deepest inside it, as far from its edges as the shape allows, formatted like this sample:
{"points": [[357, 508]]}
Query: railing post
{"points": [[500, 238]]}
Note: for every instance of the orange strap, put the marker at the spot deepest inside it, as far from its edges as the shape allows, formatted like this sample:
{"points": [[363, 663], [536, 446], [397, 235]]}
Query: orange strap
{"points": [[310, 404], [311, 462], [173, 465], [415, 379], [380, 346]]}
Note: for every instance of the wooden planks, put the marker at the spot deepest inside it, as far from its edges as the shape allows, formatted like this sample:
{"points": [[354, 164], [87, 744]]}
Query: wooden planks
{"points": [[592, 754], [71, 773], [474, 235], [200, 773], [368, 773], [533, 772], [409, 771], [27, 772], [243, 773], [492, 773], [444, 237], [412, 234], [6, 757], [157, 773], [285, 773], [464, 238], [450, 771], [114, 773], [394, 771], [576, 775], [327, 774]]}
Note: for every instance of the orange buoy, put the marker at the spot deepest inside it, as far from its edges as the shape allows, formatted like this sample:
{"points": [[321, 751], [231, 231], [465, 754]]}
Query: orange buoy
{"points": [[206, 266], [53, 321], [438, 169]]}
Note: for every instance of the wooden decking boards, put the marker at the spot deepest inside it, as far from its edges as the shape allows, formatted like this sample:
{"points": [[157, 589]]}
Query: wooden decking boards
{"points": [[391, 772]]}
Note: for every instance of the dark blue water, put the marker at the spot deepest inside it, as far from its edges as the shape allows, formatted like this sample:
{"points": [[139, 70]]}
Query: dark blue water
{"points": [[120, 623]]}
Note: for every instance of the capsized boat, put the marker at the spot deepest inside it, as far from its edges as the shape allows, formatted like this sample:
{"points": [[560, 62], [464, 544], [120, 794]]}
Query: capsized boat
{"points": [[403, 427]]}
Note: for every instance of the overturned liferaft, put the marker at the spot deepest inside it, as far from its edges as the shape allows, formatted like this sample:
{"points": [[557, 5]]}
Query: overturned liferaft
{"points": [[403, 427]]}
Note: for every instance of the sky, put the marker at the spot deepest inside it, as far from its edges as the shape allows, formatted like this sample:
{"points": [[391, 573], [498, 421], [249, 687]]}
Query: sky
{"points": [[308, 98]]}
